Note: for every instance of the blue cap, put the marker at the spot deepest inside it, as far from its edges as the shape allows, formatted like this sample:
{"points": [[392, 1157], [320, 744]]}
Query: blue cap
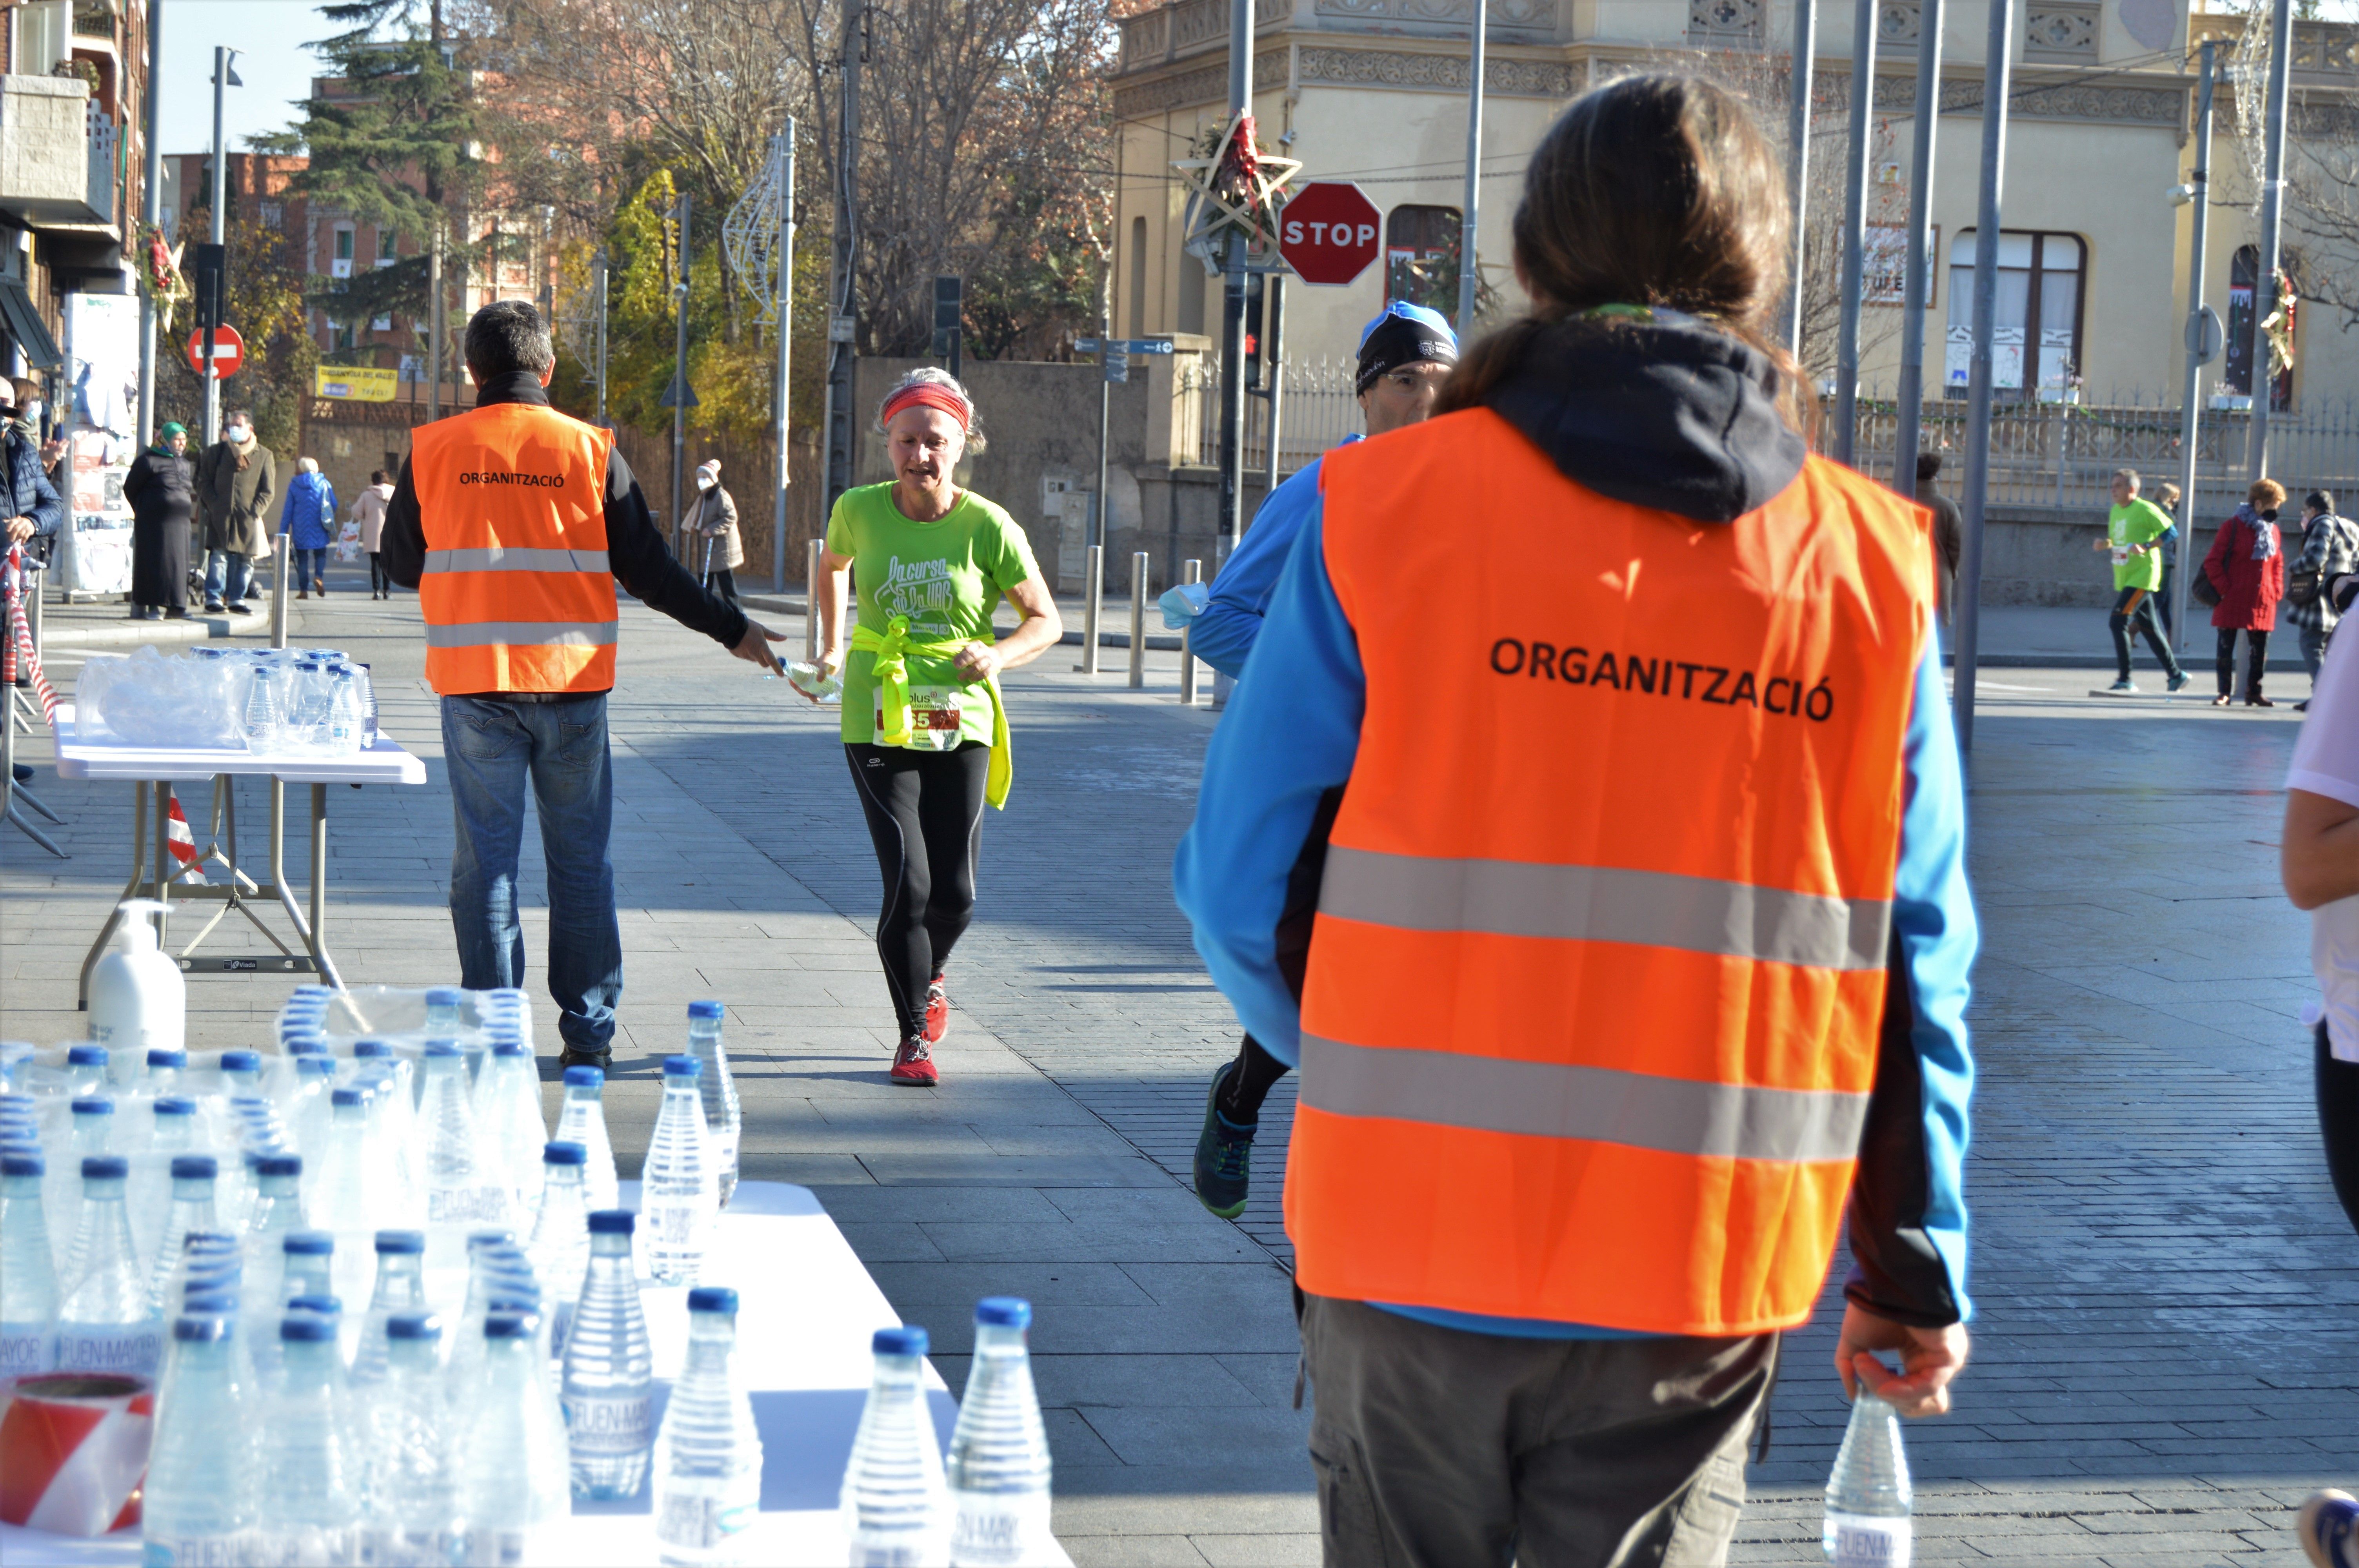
{"points": [[681, 1067], [325, 1306], [907, 1341], [704, 1010], [29, 1163], [488, 1238], [93, 1104], [507, 1326], [371, 1048], [413, 1326], [167, 1056], [200, 1329], [1403, 334], [173, 1105], [1431, 320], [444, 996], [85, 1055], [520, 1299], [308, 1243], [507, 1045], [347, 1096], [442, 1048], [306, 1328], [585, 1077], [100, 1167], [564, 1154], [195, 1167], [712, 1298], [318, 1064], [280, 1165], [240, 1061], [400, 1242], [1004, 1312], [612, 1222]]}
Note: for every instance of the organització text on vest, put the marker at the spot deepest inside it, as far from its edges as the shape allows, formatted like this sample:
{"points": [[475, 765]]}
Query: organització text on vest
{"points": [[535, 481], [1632, 674]]}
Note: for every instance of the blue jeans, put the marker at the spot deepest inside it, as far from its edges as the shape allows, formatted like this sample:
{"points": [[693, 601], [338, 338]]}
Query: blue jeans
{"points": [[238, 569], [310, 567], [493, 749]]}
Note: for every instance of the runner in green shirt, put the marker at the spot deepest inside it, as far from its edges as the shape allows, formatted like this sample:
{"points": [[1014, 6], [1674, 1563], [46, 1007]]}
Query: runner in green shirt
{"points": [[2136, 532], [924, 727]]}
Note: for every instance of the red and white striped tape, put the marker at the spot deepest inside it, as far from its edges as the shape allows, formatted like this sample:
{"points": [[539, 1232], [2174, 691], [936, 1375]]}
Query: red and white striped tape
{"points": [[19, 644], [73, 1452]]}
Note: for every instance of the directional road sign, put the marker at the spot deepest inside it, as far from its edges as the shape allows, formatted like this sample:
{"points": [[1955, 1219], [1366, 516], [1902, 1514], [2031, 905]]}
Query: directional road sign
{"points": [[229, 353], [1328, 233]]}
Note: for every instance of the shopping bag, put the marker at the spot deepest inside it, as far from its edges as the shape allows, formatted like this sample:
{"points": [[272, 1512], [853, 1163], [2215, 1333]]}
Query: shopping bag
{"points": [[348, 542]]}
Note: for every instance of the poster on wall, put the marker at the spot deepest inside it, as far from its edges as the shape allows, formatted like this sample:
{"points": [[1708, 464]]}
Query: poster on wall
{"points": [[97, 546], [102, 412]]}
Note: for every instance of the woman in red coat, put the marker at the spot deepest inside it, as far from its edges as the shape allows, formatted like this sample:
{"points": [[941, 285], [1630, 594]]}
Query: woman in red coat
{"points": [[2247, 566]]}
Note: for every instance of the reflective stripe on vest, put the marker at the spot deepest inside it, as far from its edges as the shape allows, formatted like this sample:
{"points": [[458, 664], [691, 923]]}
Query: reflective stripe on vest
{"points": [[1591, 1016], [517, 590]]}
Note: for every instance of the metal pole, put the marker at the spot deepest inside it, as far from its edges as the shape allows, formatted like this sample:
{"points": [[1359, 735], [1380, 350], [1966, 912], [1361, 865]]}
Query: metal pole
{"points": [[679, 381], [2193, 399], [1233, 306], [2266, 301], [1470, 275], [279, 562], [786, 155], [1274, 304], [600, 267], [1190, 571], [812, 572], [1855, 260], [1996, 75], [1798, 159], [840, 433], [1092, 604], [211, 383], [1138, 619], [151, 209], [1921, 250], [437, 316]]}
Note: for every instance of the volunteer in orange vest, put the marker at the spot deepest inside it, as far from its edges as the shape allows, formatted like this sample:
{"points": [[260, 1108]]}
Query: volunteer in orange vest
{"points": [[1644, 932], [514, 522]]}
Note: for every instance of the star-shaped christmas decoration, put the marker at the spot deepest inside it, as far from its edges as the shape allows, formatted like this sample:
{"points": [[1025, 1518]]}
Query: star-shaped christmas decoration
{"points": [[1235, 189]]}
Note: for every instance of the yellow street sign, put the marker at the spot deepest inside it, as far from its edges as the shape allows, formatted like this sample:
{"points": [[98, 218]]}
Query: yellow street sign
{"points": [[356, 383]]}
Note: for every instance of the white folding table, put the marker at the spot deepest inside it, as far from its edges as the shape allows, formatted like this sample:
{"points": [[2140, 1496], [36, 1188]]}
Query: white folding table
{"points": [[152, 768], [806, 1310]]}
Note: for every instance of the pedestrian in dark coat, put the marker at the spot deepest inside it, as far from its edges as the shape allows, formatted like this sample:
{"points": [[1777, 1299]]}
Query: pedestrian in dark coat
{"points": [[2247, 566], [162, 490], [30, 510]]}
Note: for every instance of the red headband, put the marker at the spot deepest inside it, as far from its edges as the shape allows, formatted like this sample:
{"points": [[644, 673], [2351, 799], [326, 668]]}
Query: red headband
{"points": [[927, 394]]}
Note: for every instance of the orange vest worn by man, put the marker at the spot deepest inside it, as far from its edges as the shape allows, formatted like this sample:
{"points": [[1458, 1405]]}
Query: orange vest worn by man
{"points": [[514, 522], [1644, 910]]}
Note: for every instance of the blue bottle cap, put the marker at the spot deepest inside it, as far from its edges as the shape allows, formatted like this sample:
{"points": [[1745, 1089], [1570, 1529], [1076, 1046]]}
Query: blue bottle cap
{"points": [[240, 1061], [167, 1056], [194, 1167], [712, 1298], [612, 1222], [306, 1328], [347, 1096], [442, 1048], [371, 1048], [321, 1306], [173, 1105], [29, 1163], [507, 1045], [908, 1340], [200, 1329], [308, 1243], [514, 1298], [280, 1165], [93, 1104], [1004, 1312], [99, 1167], [480, 1238], [444, 996], [413, 1326], [211, 1301], [564, 1154], [316, 1065], [401, 1243], [507, 1326], [704, 1010], [681, 1067], [85, 1055], [585, 1077]]}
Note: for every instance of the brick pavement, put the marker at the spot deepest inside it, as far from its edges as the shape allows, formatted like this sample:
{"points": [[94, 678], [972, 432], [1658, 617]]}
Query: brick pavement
{"points": [[2168, 1296]]}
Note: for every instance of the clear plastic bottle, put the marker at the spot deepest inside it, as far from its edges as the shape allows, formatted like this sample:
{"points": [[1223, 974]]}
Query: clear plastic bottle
{"points": [[1868, 1494], [609, 1370], [412, 1516], [86, 1070], [29, 1282], [166, 1065], [396, 1196], [199, 1499], [92, 1135], [241, 1073], [816, 681], [583, 1120], [208, 1260], [173, 1126], [192, 1213], [494, 1264], [708, 1455], [561, 1237], [998, 1464], [679, 1198], [515, 1479], [400, 1291], [107, 1320], [507, 1107], [309, 1512], [442, 1004], [309, 1266], [346, 713], [344, 1201], [716, 1087], [277, 1210], [461, 1195], [266, 710], [896, 1503], [311, 1111]]}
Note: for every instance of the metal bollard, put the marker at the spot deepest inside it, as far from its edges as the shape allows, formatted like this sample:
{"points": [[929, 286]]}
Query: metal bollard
{"points": [[812, 573], [1139, 568], [1095, 569], [1190, 571], [281, 562]]}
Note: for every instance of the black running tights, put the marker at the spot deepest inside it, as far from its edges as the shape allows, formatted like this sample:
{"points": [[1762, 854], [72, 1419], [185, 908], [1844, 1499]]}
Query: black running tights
{"points": [[2337, 1124], [925, 814]]}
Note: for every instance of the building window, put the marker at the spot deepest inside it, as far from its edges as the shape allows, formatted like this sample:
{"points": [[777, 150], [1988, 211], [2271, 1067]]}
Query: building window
{"points": [[386, 239], [1422, 257], [341, 264], [2245, 343], [2036, 343], [1191, 294], [274, 214]]}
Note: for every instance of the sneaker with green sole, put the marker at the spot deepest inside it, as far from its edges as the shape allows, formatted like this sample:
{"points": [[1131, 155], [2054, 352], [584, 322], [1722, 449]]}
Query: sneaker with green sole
{"points": [[1223, 1155]]}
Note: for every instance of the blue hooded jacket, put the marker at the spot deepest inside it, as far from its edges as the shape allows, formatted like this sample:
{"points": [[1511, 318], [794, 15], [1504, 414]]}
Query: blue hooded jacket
{"points": [[310, 511]]}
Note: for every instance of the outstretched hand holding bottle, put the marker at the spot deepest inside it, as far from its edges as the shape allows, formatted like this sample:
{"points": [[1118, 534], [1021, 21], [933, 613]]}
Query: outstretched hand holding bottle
{"points": [[1930, 1358]]}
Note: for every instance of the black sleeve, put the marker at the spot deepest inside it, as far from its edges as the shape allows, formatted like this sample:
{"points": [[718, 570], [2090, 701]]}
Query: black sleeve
{"points": [[401, 545], [643, 564], [1896, 1271]]}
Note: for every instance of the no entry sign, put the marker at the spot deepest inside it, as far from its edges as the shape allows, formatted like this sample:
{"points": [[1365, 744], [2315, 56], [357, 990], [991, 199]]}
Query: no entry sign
{"points": [[229, 353], [1328, 233]]}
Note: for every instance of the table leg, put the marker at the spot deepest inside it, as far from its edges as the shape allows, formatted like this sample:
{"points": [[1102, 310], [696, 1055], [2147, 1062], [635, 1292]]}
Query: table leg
{"points": [[317, 934], [130, 890]]}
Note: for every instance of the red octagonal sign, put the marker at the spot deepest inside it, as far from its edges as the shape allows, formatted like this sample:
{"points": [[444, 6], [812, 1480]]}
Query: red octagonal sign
{"points": [[1328, 233]]}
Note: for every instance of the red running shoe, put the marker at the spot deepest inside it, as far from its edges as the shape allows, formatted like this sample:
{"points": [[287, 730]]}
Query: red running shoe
{"points": [[938, 1010], [913, 1063]]}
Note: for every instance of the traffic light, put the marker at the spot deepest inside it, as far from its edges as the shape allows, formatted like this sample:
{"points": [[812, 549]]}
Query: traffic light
{"points": [[209, 276], [1254, 283]]}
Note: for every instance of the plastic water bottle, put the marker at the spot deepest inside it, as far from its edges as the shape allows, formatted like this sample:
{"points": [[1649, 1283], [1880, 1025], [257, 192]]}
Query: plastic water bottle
{"points": [[561, 1237], [507, 1106], [708, 1457], [208, 1259], [515, 1485], [107, 1320], [998, 1464], [310, 1271], [266, 710], [496, 1271], [241, 1073], [311, 1512], [411, 1515], [609, 1370], [815, 681], [200, 1494], [85, 1069], [166, 1065], [312, 1112], [28, 1281], [400, 1291], [277, 1210], [896, 1504], [442, 1004], [368, 704], [346, 714], [173, 1129], [677, 1196], [1868, 1494], [582, 1119], [92, 1135], [343, 1201], [461, 1193], [192, 1213], [717, 1088]]}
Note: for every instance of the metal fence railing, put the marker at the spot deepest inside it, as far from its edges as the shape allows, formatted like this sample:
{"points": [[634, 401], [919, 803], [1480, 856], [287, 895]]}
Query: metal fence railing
{"points": [[1317, 408]]}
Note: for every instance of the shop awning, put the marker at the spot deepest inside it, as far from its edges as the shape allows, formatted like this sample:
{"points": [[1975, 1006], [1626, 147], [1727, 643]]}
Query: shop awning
{"points": [[23, 323]]}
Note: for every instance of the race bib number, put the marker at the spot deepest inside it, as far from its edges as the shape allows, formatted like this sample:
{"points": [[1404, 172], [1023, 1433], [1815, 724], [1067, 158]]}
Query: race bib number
{"points": [[936, 717]]}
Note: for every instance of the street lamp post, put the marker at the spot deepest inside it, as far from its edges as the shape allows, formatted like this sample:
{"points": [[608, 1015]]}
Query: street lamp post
{"points": [[224, 79], [151, 210]]}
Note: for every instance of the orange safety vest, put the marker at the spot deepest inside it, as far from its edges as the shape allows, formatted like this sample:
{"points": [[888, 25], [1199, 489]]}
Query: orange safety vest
{"points": [[516, 594], [1591, 1010]]}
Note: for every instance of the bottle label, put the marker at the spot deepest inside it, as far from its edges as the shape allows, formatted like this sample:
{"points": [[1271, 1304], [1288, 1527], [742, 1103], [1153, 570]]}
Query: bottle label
{"points": [[466, 1206], [196, 1552], [610, 1426], [699, 1521], [674, 1228], [27, 1349], [1864, 1541], [999, 1527], [130, 1350]]}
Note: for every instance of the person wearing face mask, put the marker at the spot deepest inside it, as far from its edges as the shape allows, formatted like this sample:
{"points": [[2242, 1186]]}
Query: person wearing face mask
{"points": [[712, 533], [32, 508], [161, 488], [236, 482], [924, 729]]}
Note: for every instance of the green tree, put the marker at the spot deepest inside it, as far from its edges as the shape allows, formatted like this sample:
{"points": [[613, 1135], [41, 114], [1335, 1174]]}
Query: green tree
{"points": [[266, 305]]}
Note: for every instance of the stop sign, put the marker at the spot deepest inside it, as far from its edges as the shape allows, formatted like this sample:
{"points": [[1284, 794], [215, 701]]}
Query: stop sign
{"points": [[229, 353], [1328, 233]]}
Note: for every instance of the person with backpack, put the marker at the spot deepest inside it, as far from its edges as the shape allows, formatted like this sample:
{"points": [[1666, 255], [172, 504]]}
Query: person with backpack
{"points": [[309, 512]]}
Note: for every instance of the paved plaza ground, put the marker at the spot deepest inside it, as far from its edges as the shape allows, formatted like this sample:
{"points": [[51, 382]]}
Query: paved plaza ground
{"points": [[2167, 1351]]}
